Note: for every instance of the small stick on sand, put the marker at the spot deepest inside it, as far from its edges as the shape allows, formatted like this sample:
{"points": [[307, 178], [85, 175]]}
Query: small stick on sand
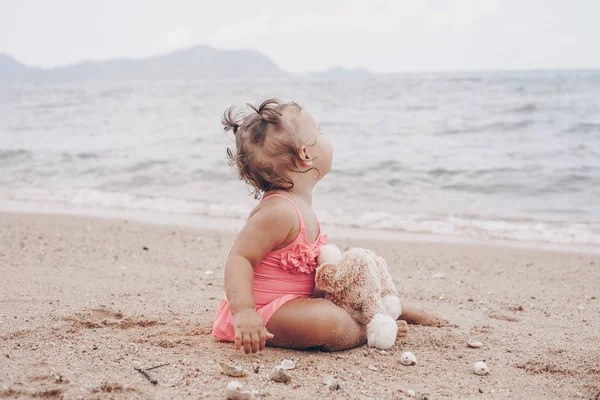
{"points": [[144, 371], [158, 366]]}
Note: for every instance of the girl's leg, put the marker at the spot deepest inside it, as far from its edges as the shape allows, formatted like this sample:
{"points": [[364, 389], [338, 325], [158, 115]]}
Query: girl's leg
{"points": [[314, 323], [418, 316]]}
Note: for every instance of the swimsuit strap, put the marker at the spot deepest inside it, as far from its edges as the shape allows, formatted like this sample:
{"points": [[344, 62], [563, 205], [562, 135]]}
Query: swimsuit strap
{"points": [[302, 226]]}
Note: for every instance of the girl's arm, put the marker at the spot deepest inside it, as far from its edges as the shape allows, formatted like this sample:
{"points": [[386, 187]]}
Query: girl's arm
{"points": [[265, 230]]}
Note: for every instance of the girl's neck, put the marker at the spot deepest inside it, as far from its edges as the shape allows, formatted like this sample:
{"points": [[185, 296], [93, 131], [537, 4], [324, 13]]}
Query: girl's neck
{"points": [[304, 193]]}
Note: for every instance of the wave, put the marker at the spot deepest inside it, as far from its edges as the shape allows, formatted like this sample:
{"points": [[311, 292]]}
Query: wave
{"points": [[470, 226], [10, 155], [88, 155], [585, 127], [487, 128], [420, 107], [473, 226], [145, 165], [524, 109]]}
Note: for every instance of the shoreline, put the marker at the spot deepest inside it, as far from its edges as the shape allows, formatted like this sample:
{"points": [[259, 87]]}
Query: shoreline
{"points": [[84, 300], [230, 225]]}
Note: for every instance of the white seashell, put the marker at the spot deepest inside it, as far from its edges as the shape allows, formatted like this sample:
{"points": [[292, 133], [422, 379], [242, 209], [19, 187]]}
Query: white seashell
{"points": [[288, 364], [439, 275], [479, 368], [331, 383], [235, 391], [474, 344], [209, 275], [279, 374], [232, 370], [408, 358], [410, 393], [372, 367], [581, 307]]}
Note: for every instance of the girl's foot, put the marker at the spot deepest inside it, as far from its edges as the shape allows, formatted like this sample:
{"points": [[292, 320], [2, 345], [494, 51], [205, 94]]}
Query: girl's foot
{"points": [[402, 329]]}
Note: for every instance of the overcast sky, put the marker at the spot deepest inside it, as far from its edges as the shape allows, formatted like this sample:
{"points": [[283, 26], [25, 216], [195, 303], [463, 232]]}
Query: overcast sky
{"points": [[309, 35]]}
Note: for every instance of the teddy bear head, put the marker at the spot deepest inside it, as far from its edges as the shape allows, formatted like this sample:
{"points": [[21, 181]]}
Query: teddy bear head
{"points": [[337, 271]]}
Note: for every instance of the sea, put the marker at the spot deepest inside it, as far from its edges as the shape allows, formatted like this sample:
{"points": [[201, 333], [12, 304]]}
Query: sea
{"points": [[513, 156]]}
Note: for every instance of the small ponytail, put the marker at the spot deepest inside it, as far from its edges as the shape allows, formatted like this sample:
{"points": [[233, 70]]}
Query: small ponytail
{"points": [[231, 121], [268, 111]]}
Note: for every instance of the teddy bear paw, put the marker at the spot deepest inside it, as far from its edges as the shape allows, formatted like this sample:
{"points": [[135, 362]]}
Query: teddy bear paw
{"points": [[392, 306]]}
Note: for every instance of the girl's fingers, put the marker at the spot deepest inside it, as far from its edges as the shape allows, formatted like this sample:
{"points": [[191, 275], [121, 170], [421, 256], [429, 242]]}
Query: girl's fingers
{"points": [[247, 342], [238, 340], [262, 337], [255, 342], [269, 335]]}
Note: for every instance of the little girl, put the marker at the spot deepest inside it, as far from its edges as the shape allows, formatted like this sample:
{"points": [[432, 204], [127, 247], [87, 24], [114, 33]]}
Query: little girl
{"points": [[270, 273]]}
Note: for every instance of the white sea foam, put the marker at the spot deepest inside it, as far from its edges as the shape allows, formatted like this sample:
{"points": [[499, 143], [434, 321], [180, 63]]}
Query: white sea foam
{"points": [[417, 223]]}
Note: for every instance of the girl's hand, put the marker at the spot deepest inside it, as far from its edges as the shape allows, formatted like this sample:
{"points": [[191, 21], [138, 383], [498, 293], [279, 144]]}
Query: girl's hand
{"points": [[250, 331]]}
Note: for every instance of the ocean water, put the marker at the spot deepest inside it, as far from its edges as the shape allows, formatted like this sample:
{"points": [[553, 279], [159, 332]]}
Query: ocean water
{"points": [[505, 155]]}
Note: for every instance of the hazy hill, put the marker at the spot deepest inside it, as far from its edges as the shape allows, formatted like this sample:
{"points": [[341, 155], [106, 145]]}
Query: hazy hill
{"points": [[11, 69], [198, 62]]}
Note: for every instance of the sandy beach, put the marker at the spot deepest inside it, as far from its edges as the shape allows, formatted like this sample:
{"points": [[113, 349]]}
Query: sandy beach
{"points": [[85, 300]]}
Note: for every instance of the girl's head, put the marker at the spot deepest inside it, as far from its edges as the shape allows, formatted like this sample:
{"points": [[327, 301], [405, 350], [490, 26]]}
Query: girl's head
{"points": [[279, 146]]}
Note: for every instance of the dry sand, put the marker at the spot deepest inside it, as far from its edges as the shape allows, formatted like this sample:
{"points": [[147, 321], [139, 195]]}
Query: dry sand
{"points": [[84, 300]]}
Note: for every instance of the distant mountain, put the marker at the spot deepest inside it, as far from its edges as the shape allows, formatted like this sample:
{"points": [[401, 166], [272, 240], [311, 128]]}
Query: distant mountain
{"points": [[198, 62], [11, 69], [342, 73]]}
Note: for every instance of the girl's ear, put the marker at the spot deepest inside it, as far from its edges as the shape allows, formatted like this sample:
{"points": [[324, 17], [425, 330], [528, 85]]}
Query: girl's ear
{"points": [[304, 156]]}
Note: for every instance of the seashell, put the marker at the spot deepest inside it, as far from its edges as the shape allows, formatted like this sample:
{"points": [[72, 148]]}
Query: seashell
{"points": [[408, 358], [372, 367], [232, 371], [479, 368], [474, 344], [209, 275], [235, 391], [439, 275], [279, 374], [331, 383], [288, 364], [410, 393]]}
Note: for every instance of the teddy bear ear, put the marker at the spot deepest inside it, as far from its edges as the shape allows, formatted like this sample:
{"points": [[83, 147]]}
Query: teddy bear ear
{"points": [[329, 253], [327, 278]]}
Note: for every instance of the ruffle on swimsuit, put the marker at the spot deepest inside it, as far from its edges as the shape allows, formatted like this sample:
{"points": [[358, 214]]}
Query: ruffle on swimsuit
{"points": [[302, 257]]}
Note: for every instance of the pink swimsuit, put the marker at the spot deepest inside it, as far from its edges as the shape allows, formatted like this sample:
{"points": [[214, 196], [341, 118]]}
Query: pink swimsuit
{"points": [[283, 275]]}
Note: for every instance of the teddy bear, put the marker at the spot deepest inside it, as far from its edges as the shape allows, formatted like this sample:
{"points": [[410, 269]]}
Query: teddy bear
{"points": [[359, 282]]}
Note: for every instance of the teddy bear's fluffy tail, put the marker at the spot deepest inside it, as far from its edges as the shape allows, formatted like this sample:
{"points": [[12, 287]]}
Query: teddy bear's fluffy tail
{"points": [[381, 332]]}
